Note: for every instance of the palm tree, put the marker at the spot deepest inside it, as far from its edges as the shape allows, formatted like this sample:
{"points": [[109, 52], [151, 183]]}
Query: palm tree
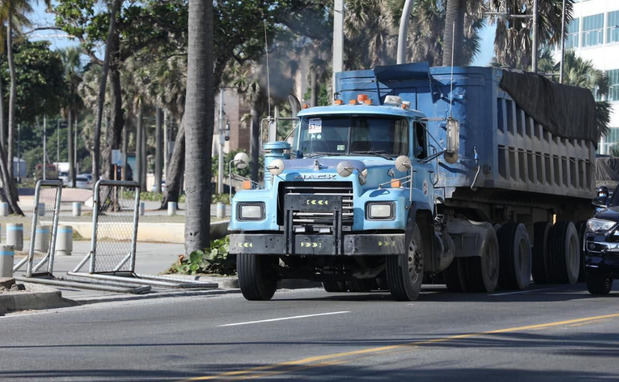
{"points": [[453, 33], [512, 43], [199, 119], [73, 78]]}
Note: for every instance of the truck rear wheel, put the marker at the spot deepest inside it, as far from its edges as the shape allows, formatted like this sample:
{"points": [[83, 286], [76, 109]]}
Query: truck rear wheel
{"points": [[564, 263], [482, 272], [405, 271], [257, 276], [598, 282], [515, 255], [541, 235]]}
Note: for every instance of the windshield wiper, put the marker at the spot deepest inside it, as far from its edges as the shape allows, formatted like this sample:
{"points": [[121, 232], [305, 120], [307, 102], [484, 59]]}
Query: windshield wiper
{"points": [[380, 153], [320, 153]]}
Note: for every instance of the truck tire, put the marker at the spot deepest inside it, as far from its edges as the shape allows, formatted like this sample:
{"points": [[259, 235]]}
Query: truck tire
{"points": [[581, 227], [598, 282], [482, 272], [564, 260], [405, 271], [541, 236], [257, 276], [334, 286], [454, 275], [515, 256]]}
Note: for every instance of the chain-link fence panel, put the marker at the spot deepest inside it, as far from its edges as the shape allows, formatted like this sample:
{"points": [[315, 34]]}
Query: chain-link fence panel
{"points": [[115, 224]]}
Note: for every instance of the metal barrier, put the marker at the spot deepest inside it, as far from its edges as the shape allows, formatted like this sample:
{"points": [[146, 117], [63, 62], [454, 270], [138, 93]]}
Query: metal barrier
{"points": [[49, 257], [112, 257]]}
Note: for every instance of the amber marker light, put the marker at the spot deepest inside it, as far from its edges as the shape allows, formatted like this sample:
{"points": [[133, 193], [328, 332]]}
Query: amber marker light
{"points": [[361, 98], [246, 185], [305, 106], [352, 102], [368, 101], [338, 102], [395, 183]]}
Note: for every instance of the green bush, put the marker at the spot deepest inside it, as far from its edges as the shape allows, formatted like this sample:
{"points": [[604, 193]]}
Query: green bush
{"points": [[215, 260]]}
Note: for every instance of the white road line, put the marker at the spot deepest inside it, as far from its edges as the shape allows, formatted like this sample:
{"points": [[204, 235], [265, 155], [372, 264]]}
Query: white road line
{"points": [[525, 291], [284, 318]]}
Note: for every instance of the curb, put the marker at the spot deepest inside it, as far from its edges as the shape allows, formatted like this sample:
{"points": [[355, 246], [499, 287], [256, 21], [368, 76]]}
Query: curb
{"points": [[232, 282], [36, 297]]}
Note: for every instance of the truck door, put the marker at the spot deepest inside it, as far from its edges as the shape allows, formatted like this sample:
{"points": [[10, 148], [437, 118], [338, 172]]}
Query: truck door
{"points": [[422, 172]]}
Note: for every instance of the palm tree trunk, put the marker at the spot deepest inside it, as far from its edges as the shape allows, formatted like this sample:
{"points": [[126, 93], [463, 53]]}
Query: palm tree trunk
{"points": [[453, 34], [158, 149], [70, 148], [139, 153], [125, 144], [176, 164], [8, 192], [2, 120], [199, 114], [12, 94], [96, 169]]}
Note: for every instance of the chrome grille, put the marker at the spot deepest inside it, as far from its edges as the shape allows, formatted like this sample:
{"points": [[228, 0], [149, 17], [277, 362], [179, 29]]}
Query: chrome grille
{"points": [[315, 219]]}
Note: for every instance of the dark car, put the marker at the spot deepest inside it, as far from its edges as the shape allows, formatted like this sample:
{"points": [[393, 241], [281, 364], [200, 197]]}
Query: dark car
{"points": [[601, 244]]}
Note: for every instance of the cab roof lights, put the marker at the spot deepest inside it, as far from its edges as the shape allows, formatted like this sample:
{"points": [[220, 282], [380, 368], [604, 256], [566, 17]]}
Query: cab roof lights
{"points": [[393, 100]]}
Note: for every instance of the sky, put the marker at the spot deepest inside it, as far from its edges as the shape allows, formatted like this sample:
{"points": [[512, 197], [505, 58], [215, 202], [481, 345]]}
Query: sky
{"points": [[60, 40]]}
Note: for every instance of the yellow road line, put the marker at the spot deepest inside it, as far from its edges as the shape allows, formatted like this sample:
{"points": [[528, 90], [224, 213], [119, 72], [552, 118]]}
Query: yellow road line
{"points": [[330, 359]]}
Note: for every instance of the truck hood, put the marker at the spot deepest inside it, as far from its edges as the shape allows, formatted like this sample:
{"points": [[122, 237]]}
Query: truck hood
{"points": [[325, 168]]}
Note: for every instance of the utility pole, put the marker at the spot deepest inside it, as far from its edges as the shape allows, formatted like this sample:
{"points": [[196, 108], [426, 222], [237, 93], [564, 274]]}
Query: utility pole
{"points": [[19, 152], [57, 141], [562, 43], [534, 39], [338, 39], [220, 163]]}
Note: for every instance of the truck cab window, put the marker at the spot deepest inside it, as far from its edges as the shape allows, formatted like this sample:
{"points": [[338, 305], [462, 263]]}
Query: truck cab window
{"points": [[420, 143]]}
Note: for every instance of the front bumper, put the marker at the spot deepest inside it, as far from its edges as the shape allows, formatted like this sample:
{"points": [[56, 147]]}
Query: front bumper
{"points": [[601, 255], [349, 245]]}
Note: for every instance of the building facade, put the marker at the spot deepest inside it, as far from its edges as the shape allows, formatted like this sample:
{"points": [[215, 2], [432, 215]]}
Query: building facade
{"points": [[594, 35]]}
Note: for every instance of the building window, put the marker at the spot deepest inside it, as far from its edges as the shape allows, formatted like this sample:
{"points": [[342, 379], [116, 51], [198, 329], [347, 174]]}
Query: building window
{"points": [[612, 27], [613, 85], [571, 39], [593, 30]]}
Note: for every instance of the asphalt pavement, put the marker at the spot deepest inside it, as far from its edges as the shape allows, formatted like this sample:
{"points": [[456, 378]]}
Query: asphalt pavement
{"points": [[548, 333]]}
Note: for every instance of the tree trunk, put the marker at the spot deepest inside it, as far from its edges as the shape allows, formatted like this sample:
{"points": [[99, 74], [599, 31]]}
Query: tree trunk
{"points": [[139, 152], [12, 94], [96, 168], [114, 134], [144, 154], [176, 164], [8, 191], [2, 120], [70, 148], [199, 114], [453, 33], [125, 174], [158, 149]]}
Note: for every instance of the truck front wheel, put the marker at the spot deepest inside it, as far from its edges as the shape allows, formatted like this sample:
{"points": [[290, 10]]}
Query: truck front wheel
{"points": [[257, 276], [405, 271]]}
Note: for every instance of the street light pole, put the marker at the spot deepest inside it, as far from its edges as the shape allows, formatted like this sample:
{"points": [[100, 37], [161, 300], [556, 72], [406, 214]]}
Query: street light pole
{"points": [[534, 39], [44, 147], [401, 55], [562, 43]]}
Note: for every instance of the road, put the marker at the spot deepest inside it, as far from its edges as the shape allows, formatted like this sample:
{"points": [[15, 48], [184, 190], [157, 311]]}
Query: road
{"points": [[554, 333]]}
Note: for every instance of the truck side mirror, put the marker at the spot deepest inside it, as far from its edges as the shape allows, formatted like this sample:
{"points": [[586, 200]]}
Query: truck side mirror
{"points": [[453, 140]]}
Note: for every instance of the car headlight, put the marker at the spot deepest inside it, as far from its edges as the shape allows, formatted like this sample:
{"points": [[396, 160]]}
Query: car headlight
{"points": [[380, 210], [250, 211], [600, 225]]}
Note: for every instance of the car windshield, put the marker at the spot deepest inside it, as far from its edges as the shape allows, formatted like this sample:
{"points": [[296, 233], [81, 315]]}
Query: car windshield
{"points": [[357, 135]]}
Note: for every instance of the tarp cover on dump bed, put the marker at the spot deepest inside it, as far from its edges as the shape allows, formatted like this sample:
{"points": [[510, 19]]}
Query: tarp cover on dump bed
{"points": [[567, 111]]}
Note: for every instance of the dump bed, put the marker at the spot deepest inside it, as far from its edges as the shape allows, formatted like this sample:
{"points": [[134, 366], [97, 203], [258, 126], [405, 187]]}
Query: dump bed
{"points": [[543, 144]]}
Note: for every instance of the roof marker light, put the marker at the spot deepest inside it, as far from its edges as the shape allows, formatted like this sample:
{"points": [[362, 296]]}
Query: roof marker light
{"points": [[368, 101], [352, 102], [338, 102], [361, 98]]}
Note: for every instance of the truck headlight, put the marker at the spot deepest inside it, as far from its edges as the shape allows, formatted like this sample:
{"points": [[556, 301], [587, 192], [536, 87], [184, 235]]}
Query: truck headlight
{"points": [[380, 210], [250, 211], [600, 225]]}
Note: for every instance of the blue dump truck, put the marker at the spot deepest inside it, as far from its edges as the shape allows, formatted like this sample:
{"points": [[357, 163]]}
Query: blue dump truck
{"points": [[473, 177]]}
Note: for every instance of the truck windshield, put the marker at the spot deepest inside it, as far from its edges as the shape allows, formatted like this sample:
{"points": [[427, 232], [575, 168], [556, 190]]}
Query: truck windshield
{"points": [[335, 135]]}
